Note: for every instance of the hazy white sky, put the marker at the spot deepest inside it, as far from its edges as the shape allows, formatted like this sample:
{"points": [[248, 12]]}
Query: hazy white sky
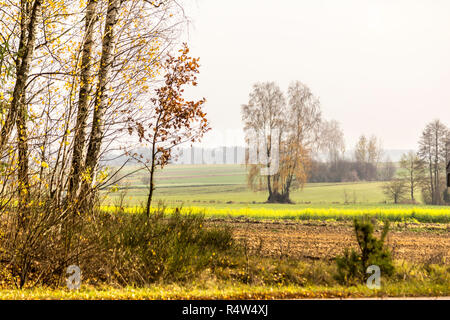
{"points": [[379, 66]]}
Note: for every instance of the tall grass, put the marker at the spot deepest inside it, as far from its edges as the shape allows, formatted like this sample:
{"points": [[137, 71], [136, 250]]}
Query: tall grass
{"points": [[137, 250]]}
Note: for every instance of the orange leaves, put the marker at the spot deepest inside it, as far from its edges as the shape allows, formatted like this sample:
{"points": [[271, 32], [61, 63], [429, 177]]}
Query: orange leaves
{"points": [[140, 130], [175, 120]]}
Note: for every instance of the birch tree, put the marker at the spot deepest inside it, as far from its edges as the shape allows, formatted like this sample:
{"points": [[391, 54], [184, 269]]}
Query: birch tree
{"points": [[294, 129], [413, 172], [83, 98], [432, 150]]}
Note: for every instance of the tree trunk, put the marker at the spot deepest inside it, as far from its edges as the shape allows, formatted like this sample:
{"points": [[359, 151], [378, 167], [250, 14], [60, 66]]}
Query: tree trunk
{"points": [[18, 112], [79, 144], [98, 126], [25, 54], [412, 189], [150, 193], [431, 180], [412, 180], [277, 197], [153, 166], [22, 173], [152, 177], [269, 187], [435, 169]]}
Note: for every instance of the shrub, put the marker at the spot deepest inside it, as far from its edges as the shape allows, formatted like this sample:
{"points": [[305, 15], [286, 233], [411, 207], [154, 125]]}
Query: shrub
{"points": [[395, 190], [352, 265], [40, 241], [177, 247], [109, 247]]}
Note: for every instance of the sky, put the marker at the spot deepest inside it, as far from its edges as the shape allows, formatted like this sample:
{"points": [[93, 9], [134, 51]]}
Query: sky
{"points": [[379, 67]]}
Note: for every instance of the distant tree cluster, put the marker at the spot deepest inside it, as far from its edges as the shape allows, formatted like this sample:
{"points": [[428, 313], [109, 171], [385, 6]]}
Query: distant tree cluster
{"points": [[424, 171], [345, 170], [366, 165]]}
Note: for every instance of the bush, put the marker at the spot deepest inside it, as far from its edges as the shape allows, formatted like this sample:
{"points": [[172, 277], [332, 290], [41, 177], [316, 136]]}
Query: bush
{"points": [[40, 241], [140, 250], [395, 190], [113, 247], [352, 265]]}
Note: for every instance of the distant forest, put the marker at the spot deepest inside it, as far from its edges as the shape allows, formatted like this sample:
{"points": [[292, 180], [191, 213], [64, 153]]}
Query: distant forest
{"points": [[343, 170]]}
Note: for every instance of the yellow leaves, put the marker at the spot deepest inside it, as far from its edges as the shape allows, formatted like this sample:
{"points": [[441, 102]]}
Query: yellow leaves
{"points": [[44, 164], [86, 176], [102, 176]]}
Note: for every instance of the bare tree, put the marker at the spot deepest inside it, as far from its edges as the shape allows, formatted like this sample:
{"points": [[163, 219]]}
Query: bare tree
{"points": [[388, 170], [332, 141], [395, 189], [413, 172], [305, 116], [368, 153], [374, 151], [304, 119], [432, 151], [264, 121], [361, 150], [293, 131]]}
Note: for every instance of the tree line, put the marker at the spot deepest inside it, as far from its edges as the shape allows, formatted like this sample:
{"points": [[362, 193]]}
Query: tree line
{"points": [[290, 144], [367, 163], [424, 172]]}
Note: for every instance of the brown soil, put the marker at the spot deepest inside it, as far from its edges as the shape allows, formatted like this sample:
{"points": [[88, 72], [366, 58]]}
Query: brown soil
{"points": [[316, 240]]}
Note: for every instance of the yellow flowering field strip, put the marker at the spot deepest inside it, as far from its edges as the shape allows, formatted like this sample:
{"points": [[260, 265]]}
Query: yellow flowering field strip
{"points": [[401, 214]]}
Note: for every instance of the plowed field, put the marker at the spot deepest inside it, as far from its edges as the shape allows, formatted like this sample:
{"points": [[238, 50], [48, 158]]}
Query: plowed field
{"points": [[324, 240]]}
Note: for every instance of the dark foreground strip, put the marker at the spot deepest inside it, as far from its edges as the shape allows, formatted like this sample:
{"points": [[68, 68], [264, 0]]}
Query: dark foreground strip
{"points": [[235, 309]]}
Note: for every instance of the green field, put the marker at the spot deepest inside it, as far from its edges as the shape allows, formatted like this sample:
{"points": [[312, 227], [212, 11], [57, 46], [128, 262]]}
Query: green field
{"points": [[225, 185], [222, 190]]}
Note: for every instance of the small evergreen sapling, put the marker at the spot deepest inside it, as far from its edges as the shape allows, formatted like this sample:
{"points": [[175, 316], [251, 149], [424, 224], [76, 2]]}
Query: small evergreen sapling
{"points": [[352, 265]]}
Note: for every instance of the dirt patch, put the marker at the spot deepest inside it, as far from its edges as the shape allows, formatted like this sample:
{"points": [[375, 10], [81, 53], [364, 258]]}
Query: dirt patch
{"points": [[316, 240]]}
